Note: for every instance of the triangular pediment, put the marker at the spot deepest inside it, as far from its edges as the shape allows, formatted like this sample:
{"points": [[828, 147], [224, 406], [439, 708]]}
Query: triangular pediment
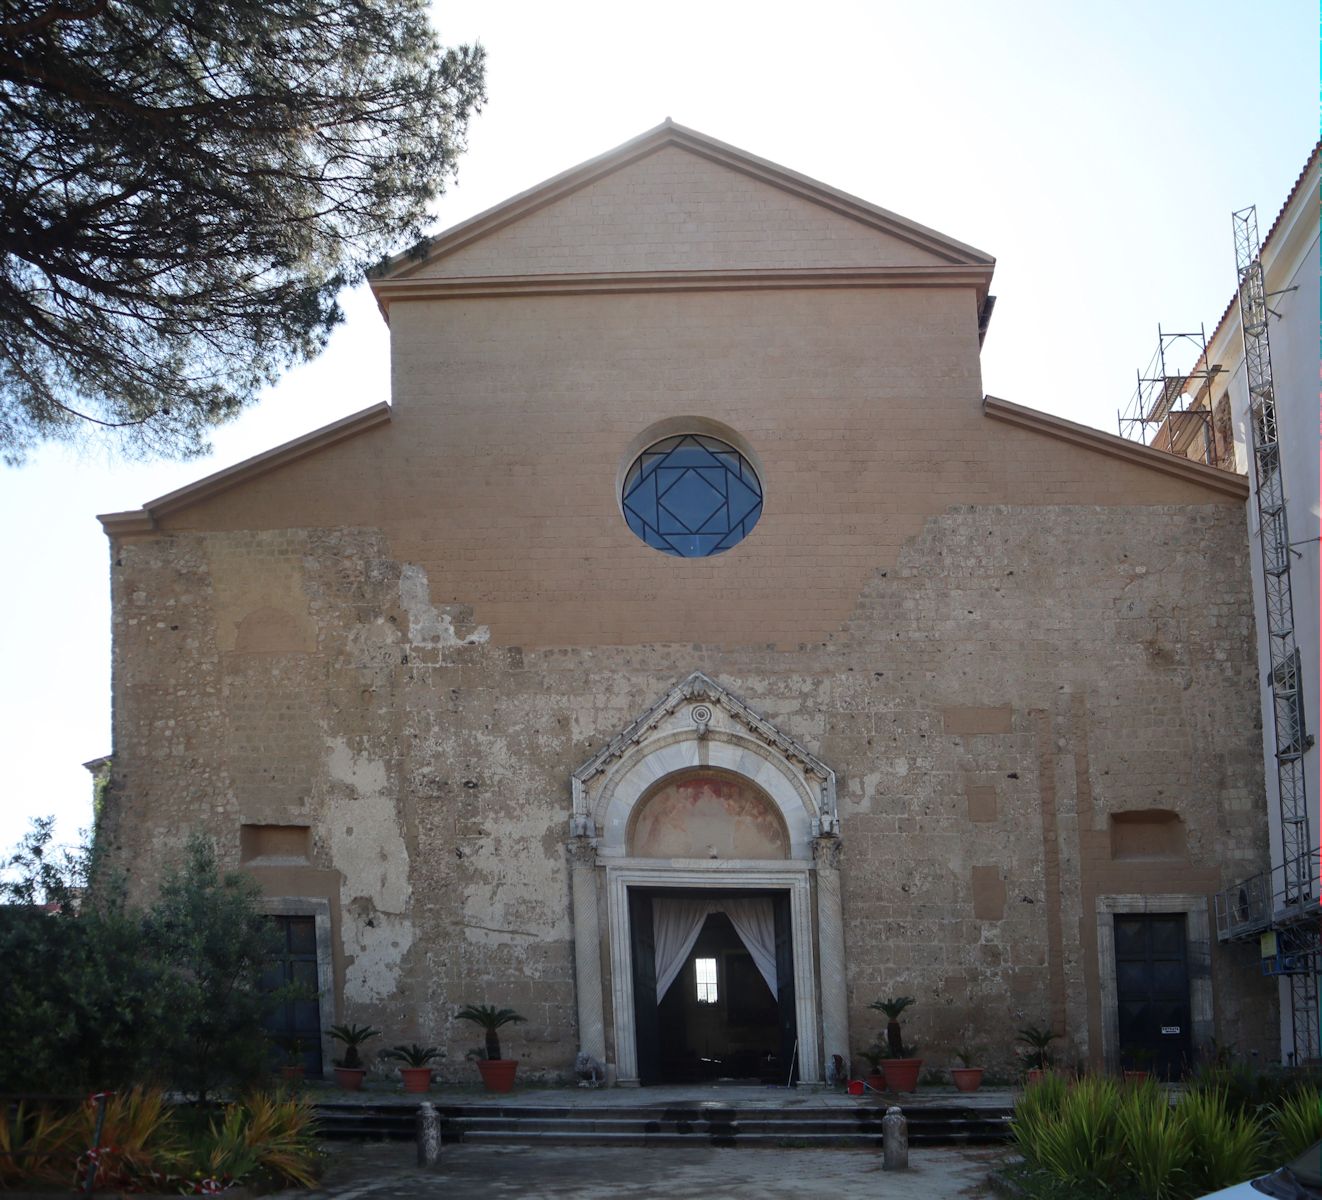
{"points": [[674, 200], [694, 711]]}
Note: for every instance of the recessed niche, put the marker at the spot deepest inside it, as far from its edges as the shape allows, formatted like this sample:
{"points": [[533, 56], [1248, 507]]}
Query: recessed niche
{"points": [[1148, 833], [708, 814], [274, 843]]}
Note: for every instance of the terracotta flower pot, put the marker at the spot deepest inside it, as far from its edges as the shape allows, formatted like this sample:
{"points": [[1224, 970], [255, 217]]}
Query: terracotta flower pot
{"points": [[877, 1081], [498, 1073], [1135, 1076], [349, 1078], [292, 1074], [966, 1079], [416, 1079], [902, 1074], [1037, 1074]]}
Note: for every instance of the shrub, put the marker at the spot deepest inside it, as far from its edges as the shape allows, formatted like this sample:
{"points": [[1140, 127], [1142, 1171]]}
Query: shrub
{"points": [[1091, 1137], [139, 1143], [1080, 1145], [1156, 1141], [100, 996], [1036, 1111], [1297, 1121], [213, 943], [36, 1143], [1226, 1147]]}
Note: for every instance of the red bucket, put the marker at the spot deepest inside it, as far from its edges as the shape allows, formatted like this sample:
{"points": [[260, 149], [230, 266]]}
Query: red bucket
{"points": [[855, 1087]]}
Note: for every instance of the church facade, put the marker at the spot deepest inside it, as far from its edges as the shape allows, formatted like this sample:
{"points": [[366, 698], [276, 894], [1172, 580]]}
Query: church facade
{"points": [[690, 604]]}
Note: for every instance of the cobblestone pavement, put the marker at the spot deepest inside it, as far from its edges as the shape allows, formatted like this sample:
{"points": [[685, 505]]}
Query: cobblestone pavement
{"points": [[388, 1171]]}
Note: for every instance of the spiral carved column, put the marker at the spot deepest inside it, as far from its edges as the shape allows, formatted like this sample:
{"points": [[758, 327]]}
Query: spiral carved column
{"points": [[587, 947], [826, 852]]}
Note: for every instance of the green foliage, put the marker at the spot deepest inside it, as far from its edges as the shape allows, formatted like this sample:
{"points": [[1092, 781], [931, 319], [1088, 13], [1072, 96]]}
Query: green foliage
{"points": [[1298, 1121], [185, 188], [1088, 1135], [489, 1018], [213, 942], [894, 1008], [351, 1037], [1037, 1110], [968, 1055], [873, 1055], [1038, 1039], [266, 1135], [81, 992], [1156, 1141], [100, 996], [1080, 1145], [412, 1055], [1226, 1147], [36, 1143], [146, 1144]]}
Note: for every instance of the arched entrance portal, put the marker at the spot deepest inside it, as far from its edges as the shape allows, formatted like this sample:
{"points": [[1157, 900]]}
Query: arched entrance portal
{"points": [[713, 982], [713, 986], [701, 802]]}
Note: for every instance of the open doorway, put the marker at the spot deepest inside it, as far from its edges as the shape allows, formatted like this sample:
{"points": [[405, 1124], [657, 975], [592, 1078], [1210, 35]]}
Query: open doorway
{"points": [[726, 1008], [719, 1019]]}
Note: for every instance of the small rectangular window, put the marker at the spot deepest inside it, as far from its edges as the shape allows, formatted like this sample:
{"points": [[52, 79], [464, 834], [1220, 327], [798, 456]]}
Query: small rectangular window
{"points": [[705, 970]]}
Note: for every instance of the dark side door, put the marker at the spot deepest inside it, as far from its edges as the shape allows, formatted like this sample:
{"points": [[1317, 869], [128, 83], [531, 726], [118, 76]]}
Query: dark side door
{"points": [[1152, 990]]}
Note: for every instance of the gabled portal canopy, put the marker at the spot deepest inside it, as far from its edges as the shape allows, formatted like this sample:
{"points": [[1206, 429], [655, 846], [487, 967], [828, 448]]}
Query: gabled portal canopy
{"points": [[700, 726]]}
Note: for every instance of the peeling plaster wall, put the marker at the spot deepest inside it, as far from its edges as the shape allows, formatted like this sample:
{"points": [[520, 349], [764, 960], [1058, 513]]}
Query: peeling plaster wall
{"points": [[1016, 677]]}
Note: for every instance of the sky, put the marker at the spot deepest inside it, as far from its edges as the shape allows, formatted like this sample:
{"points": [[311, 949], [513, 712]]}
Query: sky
{"points": [[1096, 150]]}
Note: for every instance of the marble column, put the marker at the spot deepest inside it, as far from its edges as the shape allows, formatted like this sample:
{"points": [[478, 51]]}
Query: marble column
{"points": [[587, 947], [826, 852]]}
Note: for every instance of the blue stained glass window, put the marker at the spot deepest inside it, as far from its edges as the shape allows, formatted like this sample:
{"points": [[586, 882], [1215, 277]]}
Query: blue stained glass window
{"points": [[692, 496]]}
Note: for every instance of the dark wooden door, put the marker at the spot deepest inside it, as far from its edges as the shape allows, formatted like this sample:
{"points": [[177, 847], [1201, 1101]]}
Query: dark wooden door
{"points": [[646, 1032], [295, 1024], [789, 1024], [1152, 991]]}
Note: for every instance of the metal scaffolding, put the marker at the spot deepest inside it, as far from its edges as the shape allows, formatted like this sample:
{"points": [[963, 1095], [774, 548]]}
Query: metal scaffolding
{"points": [[1291, 906], [1172, 408]]}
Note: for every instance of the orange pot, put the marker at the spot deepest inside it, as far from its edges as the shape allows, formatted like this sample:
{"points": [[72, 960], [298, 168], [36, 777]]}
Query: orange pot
{"points": [[498, 1073], [416, 1079], [966, 1079], [902, 1074]]}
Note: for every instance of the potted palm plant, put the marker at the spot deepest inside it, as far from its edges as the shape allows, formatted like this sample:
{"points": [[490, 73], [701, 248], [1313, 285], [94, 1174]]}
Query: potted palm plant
{"points": [[966, 1077], [873, 1055], [901, 1064], [497, 1073], [349, 1070], [414, 1060], [1037, 1058]]}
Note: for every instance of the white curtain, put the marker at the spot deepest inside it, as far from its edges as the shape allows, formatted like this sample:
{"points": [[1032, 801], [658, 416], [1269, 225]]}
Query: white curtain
{"points": [[755, 923], [676, 925]]}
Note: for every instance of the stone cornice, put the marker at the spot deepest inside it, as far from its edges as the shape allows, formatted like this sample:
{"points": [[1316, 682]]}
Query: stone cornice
{"points": [[145, 519], [1223, 482], [389, 291]]}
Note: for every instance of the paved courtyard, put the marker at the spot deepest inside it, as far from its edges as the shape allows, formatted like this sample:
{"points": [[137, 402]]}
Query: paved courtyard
{"points": [[388, 1171]]}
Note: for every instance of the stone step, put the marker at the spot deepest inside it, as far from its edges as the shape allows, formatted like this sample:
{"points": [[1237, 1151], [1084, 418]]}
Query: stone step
{"points": [[787, 1138], [672, 1125]]}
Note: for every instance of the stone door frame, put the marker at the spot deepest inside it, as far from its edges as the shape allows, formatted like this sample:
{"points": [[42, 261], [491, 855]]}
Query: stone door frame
{"points": [[790, 876], [1198, 943]]}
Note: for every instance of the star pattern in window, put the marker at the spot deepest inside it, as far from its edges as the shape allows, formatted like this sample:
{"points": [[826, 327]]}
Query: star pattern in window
{"points": [[692, 496]]}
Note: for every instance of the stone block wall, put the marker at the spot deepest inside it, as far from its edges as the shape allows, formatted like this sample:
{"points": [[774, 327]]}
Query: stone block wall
{"points": [[1016, 677]]}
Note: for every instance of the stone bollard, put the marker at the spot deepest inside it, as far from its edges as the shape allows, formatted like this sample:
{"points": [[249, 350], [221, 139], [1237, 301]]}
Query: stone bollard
{"points": [[894, 1140], [429, 1134]]}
